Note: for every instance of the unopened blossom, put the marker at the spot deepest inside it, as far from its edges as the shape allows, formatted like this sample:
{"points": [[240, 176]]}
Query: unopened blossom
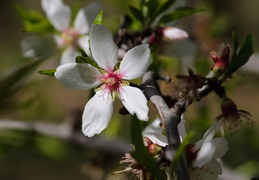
{"points": [[201, 156], [69, 35], [109, 79], [221, 60], [168, 34]]}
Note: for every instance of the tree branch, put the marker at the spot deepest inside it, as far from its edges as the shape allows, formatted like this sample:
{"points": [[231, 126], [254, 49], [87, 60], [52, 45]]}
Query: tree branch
{"points": [[170, 119], [65, 132]]}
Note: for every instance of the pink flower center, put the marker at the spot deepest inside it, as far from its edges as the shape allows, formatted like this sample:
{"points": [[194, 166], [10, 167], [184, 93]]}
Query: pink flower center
{"points": [[70, 37], [112, 82]]}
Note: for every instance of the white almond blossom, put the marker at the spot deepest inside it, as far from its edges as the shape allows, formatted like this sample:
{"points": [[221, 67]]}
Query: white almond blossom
{"points": [[70, 35], [201, 156], [109, 79]]}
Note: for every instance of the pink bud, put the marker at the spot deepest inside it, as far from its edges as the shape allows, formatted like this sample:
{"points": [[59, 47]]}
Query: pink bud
{"points": [[173, 34]]}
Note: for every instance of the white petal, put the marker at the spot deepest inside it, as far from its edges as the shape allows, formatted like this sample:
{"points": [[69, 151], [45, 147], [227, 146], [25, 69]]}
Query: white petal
{"points": [[86, 16], [154, 126], [78, 76], [58, 13], [205, 154], [209, 171], [38, 46], [135, 62], [181, 128], [81, 24], [134, 101], [210, 150], [104, 50], [69, 56], [59, 40], [221, 146], [156, 138], [210, 133], [97, 114], [84, 44]]}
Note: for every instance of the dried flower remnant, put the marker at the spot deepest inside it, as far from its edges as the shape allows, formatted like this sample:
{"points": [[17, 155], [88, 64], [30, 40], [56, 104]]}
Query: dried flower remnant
{"points": [[231, 117], [189, 84]]}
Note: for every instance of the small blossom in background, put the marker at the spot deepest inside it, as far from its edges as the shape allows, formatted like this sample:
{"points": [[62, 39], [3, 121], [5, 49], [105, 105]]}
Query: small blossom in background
{"points": [[201, 156], [109, 79], [68, 36]]}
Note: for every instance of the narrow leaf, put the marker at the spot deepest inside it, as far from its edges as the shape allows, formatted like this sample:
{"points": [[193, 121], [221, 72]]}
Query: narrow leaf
{"points": [[137, 14], [241, 57], [98, 19], [178, 14], [180, 152], [235, 43], [15, 77], [83, 53], [48, 72], [141, 153], [163, 7], [81, 59]]}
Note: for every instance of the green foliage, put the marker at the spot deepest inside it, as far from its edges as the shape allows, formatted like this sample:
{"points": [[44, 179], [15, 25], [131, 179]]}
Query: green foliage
{"points": [[51, 147], [137, 14], [165, 6], [178, 14], [13, 78], [98, 19], [141, 153], [179, 153], [83, 53], [34, 21], [48, 72], [240, 57], [81, 59]]}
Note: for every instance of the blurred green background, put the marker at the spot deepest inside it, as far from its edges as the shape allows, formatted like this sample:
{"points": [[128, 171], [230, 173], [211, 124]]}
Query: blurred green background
{"points": [[28, 155]]}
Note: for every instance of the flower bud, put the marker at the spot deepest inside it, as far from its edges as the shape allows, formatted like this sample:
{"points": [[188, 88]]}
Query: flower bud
{"points": [[222, 60], [170, 34]]}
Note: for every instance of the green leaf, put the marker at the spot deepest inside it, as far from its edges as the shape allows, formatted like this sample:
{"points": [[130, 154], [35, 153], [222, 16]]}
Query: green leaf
{"points": [[15, 76], [98, 19], [137, 14], [83, 53], [179, 153], [163, 7], [81, 59], [241, 57], [141, 153], [33, 21], [235, 43], [48, 72], [178, 14]]}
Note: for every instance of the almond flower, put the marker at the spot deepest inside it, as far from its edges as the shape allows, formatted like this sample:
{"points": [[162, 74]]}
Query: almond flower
{"points": [[69, 36], [109, 79], [201, 156]]}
